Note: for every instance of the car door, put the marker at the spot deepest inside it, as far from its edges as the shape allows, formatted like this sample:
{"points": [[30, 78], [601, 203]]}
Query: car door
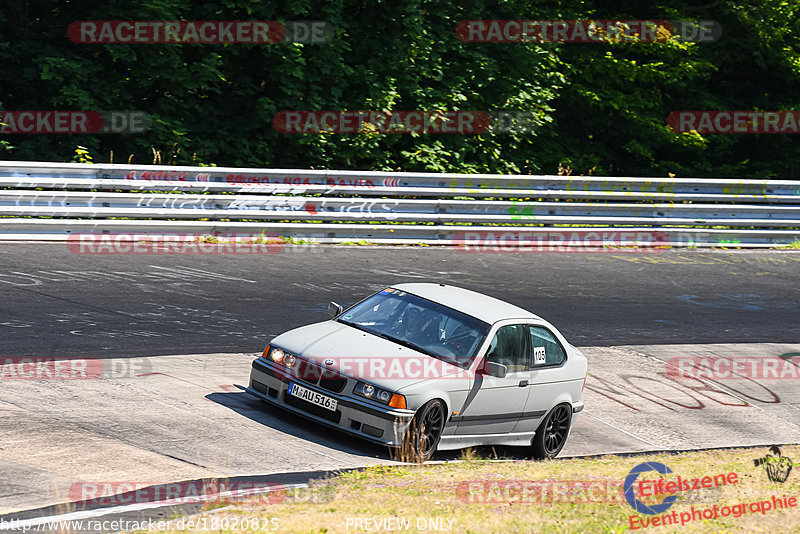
{"points": [[549, 376], [494, 405]]}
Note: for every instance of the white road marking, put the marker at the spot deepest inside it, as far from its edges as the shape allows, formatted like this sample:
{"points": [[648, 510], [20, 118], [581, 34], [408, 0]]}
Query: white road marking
{"points": [[622, 430]]}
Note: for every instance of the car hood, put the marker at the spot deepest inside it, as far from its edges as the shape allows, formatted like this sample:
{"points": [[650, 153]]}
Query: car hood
{"points": [[352, 352]]}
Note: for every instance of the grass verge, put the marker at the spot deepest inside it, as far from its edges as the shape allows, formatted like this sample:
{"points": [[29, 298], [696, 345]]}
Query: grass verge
{"points": [[566, 495]]}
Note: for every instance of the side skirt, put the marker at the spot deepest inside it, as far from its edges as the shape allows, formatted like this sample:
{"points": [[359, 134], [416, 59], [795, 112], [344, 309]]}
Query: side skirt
{"points": [[521, 439]]}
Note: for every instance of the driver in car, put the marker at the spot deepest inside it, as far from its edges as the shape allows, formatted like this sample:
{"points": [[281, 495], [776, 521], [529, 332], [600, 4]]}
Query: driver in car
{"points": [[420, 326]]}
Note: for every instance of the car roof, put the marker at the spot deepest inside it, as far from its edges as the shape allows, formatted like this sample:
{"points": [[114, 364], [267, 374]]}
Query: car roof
{"points": [[478, 305]]}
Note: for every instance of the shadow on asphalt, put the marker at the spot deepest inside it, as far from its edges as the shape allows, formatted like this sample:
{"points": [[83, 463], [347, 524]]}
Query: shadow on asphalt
{"points": [[259, 411]]}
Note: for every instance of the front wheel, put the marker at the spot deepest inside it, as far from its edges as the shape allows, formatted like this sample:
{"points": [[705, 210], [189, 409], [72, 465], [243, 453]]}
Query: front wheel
{"points": [[424, 432], [552, 433]]}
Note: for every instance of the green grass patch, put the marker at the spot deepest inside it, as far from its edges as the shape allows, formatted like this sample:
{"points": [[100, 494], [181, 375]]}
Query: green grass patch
{"points": [[581, 495]]}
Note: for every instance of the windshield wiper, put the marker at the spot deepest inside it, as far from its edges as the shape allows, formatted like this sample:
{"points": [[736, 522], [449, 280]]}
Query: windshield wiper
{"points": [[355, 325]]}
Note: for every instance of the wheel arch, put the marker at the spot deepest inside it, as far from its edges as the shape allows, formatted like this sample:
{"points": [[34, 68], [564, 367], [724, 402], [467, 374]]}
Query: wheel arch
{"points": [[423, 398], [564, 400]]}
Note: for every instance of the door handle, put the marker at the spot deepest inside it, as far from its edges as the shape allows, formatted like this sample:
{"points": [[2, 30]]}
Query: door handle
{"points": [[523, 383]]}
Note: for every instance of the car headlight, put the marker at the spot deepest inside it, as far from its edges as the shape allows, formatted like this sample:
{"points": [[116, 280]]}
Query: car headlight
{"points": [[279, 356], [384, 396]]}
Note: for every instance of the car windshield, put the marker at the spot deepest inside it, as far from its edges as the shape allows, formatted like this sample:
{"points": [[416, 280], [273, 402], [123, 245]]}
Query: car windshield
{"points": [[420, 324]]}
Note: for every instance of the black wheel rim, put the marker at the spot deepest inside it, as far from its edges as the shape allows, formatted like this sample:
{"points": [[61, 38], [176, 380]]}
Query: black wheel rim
{"points": [[431, 427], [555, 432]]}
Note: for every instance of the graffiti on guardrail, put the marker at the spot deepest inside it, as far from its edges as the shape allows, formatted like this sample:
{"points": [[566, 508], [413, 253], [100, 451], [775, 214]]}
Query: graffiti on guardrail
{"points": [[385, 207], [245, 179], [342, 195], [522, 211], [157, 175], [298, 180], [536, 185], [531, 186], [547, 186]]}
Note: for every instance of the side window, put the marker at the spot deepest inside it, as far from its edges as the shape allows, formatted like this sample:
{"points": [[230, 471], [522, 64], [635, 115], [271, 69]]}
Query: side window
{"points": [[545, 347], [510, 348]]}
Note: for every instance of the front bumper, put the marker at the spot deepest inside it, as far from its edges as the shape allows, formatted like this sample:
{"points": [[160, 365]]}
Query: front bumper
{"points": [[370, 421]]}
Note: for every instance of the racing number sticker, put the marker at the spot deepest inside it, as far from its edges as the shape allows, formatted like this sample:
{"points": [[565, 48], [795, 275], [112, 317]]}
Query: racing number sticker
{"points": [[538, 355]]}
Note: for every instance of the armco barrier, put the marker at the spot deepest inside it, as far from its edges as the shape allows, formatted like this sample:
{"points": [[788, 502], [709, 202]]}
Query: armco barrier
{"points": [[55, 200]]}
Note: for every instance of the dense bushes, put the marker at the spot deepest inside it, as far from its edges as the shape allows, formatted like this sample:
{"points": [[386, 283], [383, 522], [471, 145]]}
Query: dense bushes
{"points": [[601, 107]]}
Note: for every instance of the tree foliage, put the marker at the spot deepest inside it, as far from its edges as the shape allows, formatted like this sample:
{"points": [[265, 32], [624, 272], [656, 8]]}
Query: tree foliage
{"points": [[602, 106]]}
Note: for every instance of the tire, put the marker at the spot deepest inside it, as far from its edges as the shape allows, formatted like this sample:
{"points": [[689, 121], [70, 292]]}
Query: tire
{"points": [[552, 432], [424, 432]]}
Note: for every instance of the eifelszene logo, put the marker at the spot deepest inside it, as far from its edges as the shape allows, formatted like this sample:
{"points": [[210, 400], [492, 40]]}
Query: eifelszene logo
{"points": [[630, 493], [777, 467]]}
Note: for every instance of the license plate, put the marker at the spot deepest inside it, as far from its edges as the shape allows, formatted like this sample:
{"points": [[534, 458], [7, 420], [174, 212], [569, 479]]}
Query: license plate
{"points": [[312, 396]]}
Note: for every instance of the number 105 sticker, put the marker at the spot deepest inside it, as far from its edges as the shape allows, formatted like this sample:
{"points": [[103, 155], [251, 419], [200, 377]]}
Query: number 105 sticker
{"points": [[538, 355]]}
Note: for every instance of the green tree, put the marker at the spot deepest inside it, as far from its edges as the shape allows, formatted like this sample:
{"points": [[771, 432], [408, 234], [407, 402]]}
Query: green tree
{"points": [[602, 106]]}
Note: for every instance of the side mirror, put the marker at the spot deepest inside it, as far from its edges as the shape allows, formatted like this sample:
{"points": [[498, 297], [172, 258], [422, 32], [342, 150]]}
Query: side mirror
{"points": [[497, 370], [334, 309]]}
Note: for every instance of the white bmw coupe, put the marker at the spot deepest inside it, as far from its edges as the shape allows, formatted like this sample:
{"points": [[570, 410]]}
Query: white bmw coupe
{"points": [[427, 367]]}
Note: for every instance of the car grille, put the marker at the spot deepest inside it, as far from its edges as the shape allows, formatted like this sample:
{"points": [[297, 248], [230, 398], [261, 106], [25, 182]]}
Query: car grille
{"points": [[332, 382], [324, 378]]}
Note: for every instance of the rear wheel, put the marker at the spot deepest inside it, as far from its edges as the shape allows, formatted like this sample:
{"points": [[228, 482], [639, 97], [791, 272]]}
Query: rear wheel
{"points": [[424, 432], [552, 433]]}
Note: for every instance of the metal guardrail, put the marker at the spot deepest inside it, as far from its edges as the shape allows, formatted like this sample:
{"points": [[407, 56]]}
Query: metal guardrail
{"points": [[54, 201]]}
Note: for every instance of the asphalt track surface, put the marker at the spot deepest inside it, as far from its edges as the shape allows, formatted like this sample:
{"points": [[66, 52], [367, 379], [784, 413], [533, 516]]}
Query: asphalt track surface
{"points": [[194, 323], [55, 303]]}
